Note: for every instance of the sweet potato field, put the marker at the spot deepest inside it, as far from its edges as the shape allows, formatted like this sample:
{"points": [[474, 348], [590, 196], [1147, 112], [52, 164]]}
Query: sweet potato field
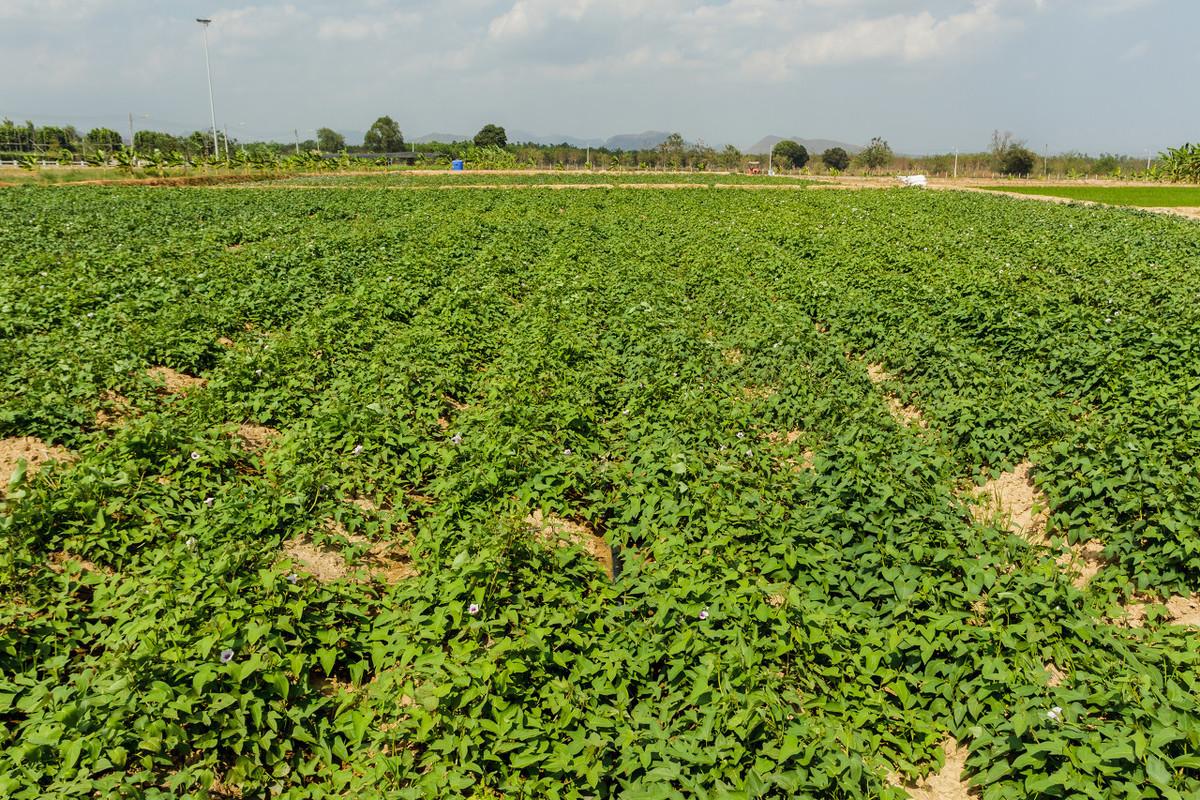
{"points": [[645, 493]]}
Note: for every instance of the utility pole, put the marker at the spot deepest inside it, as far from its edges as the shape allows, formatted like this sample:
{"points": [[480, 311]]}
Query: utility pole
{"points": [[212, 109], [226, 142], [297, 132], [130, 130], [1046, 162], [956, 162]]}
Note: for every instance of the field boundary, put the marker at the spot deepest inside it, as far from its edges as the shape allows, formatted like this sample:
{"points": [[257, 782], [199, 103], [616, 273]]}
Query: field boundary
{"points": [[1187, 212]]}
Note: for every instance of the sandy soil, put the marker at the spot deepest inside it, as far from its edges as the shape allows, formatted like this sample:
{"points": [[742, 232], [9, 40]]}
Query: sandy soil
{"points": [[116, 409], [1013, 501], [175, 382], [948, 783], [386, 561], [1180, 610], [900, 411], [805, 460], [33, 451], [60, 561], [558, 532], [256, 438]]}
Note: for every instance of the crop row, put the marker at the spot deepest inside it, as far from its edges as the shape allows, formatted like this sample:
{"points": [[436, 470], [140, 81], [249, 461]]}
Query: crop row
{"points": [[801, 604]]}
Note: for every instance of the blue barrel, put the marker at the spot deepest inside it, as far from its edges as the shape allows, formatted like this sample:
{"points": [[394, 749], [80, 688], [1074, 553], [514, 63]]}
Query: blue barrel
{"points": [[456, 165]]}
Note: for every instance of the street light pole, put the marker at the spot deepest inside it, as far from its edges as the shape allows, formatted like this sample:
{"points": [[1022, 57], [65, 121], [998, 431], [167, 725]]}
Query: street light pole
{"points": [[212, 109]]}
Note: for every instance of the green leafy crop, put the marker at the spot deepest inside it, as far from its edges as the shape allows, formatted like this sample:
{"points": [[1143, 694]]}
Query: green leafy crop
{"points": [[803, 604]]}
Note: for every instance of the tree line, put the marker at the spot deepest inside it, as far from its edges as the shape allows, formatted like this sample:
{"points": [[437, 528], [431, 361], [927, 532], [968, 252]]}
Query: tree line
{"points": [[1007, 155]]}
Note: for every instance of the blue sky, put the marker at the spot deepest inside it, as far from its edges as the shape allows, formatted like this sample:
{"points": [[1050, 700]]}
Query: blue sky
{"points": [[929, 76]]}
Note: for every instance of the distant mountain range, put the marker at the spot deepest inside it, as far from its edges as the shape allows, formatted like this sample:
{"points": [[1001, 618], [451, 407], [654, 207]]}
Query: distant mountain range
{"points": [[441, 137], [814, 146], [526, 137], [623, 141], [646, 140]]}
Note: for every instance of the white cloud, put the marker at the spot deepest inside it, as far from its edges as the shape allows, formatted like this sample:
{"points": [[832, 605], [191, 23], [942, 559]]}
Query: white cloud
{"points": [[898, 37], [1137, 51], [349, 29], [257, 22], [45, 10]]}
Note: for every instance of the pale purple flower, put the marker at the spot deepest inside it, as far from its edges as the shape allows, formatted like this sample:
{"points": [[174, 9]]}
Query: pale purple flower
{"points": [[741, 435], [704, 614], [292, 577], [195, 456], [749, 452], [226, 656], [456, 439], [258, 372], [358, 448], [1054, 714], [473, 608], [208, 501], [90, 315], [566, 451]]}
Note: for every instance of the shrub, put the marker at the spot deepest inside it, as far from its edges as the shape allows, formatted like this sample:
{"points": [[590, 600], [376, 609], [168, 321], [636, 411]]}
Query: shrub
{"points": [[836, 158]]}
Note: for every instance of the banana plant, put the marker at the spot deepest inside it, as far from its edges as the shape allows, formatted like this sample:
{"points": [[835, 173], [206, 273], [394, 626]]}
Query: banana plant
{"points": [[1181, 164], [66, 158], [126, 159], [29, 162], [99, 158], [157, 160]]}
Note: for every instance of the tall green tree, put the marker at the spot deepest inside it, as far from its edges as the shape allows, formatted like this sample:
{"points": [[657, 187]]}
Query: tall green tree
{"points": [[672, 149], [199, 143], [1017, 160], [104, 139], [793, 153], [491, 136], [148, 141], [731, 157], [52, 137], [836, 158], [330, 141], [384, 136], [1010, 156], [877, 154]]}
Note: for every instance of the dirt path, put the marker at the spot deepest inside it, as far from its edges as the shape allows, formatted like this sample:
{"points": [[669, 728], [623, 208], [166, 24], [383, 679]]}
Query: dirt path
{"points": [[1179, 211]]}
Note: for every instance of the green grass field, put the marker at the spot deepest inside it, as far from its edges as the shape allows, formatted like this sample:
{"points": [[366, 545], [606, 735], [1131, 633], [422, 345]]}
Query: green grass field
{"points": [[597, 494], [1142, 196]]}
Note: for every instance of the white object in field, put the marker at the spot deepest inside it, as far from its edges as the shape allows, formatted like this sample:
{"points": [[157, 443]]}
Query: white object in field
{"points": [[913, 180]]}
